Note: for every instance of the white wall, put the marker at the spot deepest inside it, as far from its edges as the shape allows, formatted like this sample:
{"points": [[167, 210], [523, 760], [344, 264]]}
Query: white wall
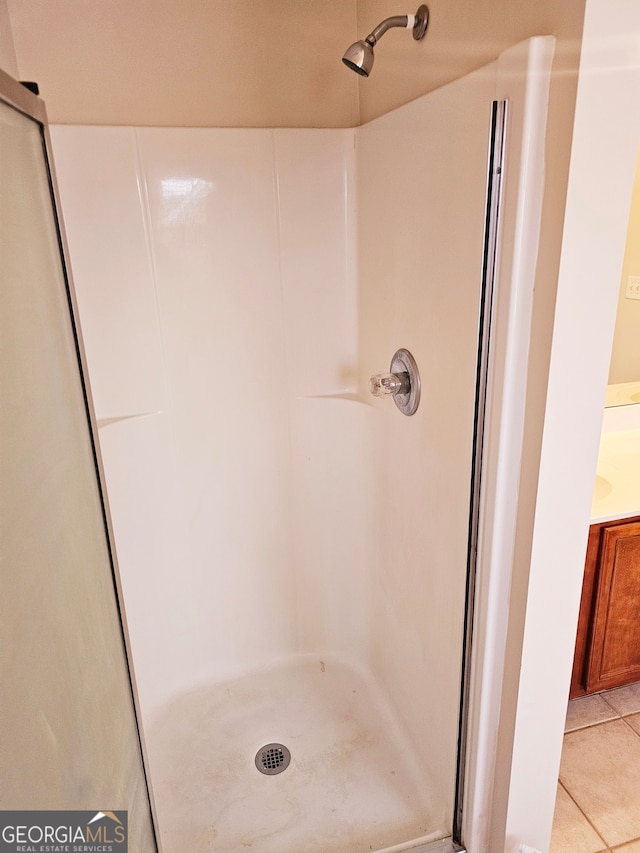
{"points": [[625, 354], [593, 243]]}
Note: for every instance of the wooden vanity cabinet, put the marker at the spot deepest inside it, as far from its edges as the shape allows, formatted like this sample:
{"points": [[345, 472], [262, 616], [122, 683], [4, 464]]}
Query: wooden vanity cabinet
{"points": [[608, 639]]}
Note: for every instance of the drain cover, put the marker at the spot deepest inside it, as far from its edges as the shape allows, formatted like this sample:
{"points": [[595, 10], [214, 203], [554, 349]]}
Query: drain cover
{"points": [[273, 758]]}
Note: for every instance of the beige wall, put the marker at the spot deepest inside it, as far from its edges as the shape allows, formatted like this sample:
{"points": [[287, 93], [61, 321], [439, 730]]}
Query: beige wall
{"points": [[219, 63], [625, 355], [225, 63], [8, 61]]}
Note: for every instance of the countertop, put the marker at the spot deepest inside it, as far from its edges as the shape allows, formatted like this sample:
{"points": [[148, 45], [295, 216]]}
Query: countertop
{"points": [[617, 487]]}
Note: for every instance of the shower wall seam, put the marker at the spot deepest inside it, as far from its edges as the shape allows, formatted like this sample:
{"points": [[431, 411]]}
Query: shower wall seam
{"points": [[288, 360], [145, 211]]}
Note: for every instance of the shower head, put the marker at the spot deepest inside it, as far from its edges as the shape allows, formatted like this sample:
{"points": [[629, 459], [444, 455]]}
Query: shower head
{"points": [[359, 56]]}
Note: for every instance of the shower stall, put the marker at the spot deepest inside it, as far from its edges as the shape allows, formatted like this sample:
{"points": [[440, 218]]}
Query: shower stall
{"points": [[293, 552]]}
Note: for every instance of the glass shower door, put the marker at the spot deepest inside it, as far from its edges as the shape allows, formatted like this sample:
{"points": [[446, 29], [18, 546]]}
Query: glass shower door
{"points": [[68, 732]]}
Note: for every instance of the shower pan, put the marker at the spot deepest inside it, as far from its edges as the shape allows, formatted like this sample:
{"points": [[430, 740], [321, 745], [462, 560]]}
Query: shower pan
{"points": [[294, 551]]}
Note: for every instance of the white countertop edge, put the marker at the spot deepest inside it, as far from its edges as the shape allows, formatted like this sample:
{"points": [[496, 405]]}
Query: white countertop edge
{"points": [[616, 517]]}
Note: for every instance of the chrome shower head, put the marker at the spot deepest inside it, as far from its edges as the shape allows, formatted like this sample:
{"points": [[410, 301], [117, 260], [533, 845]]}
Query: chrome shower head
{"points": [[359, 56]]}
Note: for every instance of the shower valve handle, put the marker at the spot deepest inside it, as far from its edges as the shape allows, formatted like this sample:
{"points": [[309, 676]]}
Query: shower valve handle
{"points": [[389, 384], [402, 382]]}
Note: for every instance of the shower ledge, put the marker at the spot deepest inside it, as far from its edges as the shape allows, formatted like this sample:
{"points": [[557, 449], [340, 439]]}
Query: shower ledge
{"points": [[104, 422]]}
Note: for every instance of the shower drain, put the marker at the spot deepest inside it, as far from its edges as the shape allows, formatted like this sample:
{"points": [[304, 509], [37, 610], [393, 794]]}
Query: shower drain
{"points": [[273, 758]]}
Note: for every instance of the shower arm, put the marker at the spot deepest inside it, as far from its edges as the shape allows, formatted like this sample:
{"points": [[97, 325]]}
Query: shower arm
{"points": [[405, 21]]}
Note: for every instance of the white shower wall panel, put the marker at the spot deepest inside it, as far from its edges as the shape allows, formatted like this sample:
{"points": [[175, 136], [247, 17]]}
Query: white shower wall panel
{"points": [[248, 311], [98, 174], [149, 522], [334, 491], [315, 178], [330, 427], [421, 187], [214, 233]]}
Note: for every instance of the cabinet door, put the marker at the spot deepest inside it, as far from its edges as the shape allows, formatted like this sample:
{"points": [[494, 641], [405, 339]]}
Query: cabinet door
{"points": [[614, 657], [585, 619]]}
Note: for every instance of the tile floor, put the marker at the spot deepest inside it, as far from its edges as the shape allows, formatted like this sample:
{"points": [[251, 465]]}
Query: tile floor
{"points": [[598, 803]]}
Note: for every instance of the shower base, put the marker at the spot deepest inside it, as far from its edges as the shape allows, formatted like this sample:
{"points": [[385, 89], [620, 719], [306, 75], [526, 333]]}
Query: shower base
{"points": [[352, 783]]}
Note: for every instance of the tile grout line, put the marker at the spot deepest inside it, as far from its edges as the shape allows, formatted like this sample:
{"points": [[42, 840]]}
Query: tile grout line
{"points": [[598, 722], [586, 817], [617, 715], [604, 698], [628, 725], [592, 725]]}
